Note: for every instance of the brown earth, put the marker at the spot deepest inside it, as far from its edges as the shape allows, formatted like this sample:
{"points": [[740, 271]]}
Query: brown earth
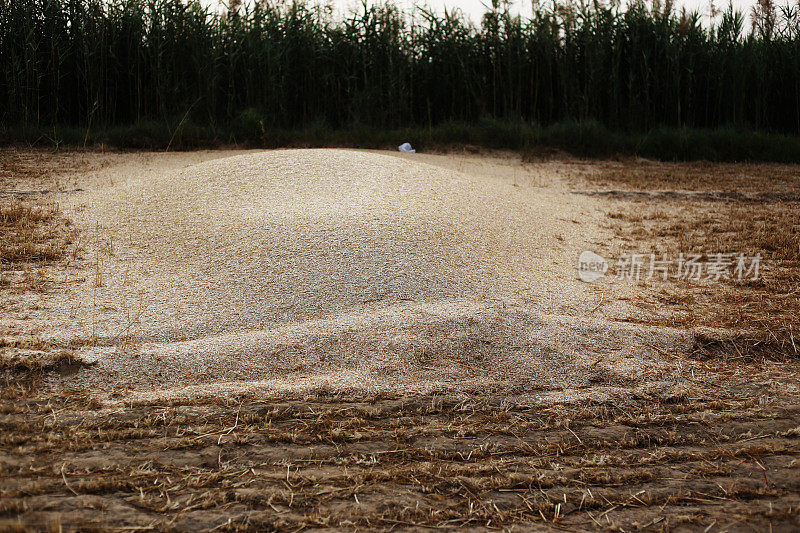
{"points": [[722, 461]]}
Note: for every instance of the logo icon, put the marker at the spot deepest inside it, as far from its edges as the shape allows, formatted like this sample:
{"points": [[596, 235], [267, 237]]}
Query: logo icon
{"points": [[591, 266]]}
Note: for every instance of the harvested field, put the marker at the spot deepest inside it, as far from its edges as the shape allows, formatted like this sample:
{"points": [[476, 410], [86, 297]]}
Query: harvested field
{"points": [[703, 208], [658, 464], [431, 362]]}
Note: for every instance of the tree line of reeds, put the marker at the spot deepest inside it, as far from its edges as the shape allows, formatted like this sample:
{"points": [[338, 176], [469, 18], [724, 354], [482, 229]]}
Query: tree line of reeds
{"points": [[265, 66]]}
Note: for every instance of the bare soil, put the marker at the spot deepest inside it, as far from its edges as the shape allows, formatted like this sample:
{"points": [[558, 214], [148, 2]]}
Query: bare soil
{"points": [[717, 450]]}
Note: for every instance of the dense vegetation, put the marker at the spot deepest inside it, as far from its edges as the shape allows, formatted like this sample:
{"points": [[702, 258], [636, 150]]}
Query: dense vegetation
{"points": [[176, 72]]}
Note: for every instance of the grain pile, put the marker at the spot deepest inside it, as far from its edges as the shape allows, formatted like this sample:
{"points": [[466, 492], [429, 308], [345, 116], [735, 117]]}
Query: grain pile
{"points": [[305, 269]]}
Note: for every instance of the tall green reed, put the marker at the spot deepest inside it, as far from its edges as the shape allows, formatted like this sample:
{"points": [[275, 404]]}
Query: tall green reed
{"points": [[268, 65]]}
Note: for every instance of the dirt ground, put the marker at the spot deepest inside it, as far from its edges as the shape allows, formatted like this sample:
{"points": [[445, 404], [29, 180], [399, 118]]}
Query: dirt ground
{"points": [[720, 452]]}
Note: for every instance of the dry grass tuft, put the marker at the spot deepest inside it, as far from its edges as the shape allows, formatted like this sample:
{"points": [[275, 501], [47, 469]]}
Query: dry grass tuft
{"points": [[34, 236], [32, 357], [754, 346], [33, 232]]}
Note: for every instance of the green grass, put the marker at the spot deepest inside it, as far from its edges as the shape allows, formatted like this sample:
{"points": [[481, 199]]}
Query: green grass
{"points": [[159, 73], [586, 139]]}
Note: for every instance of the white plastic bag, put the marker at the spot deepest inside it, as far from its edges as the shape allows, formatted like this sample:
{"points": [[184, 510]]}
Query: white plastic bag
{"points": [[406, 147]]}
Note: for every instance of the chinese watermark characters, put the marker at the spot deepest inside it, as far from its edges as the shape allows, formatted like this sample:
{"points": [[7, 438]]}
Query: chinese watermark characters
{"points": [[689, 267]]}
